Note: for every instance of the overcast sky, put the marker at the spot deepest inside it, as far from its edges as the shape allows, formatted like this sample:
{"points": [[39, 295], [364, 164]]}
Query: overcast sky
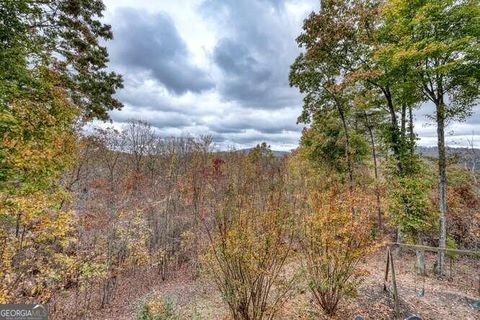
{"points": [[219, 67]]}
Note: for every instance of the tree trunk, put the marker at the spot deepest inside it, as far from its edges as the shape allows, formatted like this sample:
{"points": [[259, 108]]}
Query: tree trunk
{"points": [[395, 139], [410, 130], [420, 258], [442, 185], [398, 250], [403, 122], [17, 226], [375, 166], [347, 146]]}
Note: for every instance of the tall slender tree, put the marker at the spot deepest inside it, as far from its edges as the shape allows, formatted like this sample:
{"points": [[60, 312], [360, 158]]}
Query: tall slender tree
{"points": [[320, 72], [437, 43]]}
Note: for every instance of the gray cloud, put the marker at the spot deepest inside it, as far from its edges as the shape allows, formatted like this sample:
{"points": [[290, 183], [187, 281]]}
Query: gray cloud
{"points": [[255, 51], [150, 43], [264, 122], [280, 141], [158, 119], [246, 79], [238, 92], [220, 67], [144, 98], [229, 123]]}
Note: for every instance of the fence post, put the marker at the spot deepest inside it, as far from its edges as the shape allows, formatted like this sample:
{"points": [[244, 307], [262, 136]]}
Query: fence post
{"points": [[395, 291], [386, 270], [394, 282]]}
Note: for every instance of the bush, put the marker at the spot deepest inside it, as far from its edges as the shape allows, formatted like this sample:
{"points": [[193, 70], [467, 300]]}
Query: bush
{"points": [[333, 243], [410, 207], [155, 307], [463, 201], [250, 242], [247, 260]]}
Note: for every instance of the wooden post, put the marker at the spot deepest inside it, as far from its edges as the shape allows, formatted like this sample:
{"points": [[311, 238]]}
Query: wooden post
{"points": [[395, 291], [385, 287], [390, 265], [478, 273]]}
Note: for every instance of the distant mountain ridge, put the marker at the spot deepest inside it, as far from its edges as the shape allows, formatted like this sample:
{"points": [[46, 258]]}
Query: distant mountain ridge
{"points": [[466, 157], [463, 154], [432, 152], [276, 153]]}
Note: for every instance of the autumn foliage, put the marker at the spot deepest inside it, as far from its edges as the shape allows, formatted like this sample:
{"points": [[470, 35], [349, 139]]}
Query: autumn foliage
{"points": [[87, 214], [36, 229], [333, 244], [250, 238]]}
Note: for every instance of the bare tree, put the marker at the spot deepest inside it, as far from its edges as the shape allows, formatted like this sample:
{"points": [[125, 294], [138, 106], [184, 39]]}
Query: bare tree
{"points": [[139, 142], [472, 158]]}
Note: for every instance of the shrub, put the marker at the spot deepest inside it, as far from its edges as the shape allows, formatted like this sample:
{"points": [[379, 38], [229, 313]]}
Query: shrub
{"points": [[333, 243], [410, 207], [463, 201], [247, 259], [250, 242], [155, 307]]}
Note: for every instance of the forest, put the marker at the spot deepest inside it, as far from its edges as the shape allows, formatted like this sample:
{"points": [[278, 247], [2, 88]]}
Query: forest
{"points": [[124, 223]]}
